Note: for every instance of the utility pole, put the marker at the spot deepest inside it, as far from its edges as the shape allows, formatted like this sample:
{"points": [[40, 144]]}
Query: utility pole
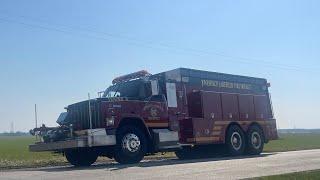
{"points": [[11, 128], [36, 115]]}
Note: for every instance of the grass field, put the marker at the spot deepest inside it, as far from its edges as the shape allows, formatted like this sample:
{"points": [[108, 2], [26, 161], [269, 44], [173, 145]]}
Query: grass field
{"points": [[292, 142], [14, 153], [14, 150], [307, 175]]}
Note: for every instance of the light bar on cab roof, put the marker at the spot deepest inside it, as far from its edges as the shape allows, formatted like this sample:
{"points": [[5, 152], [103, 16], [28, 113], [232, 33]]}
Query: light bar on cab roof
{"points": [[131, 76]]}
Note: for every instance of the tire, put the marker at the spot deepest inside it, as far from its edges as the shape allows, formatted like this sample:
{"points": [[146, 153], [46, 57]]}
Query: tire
{"points": [[131, 145], [81, 157], [255, 140], [235, 141]]}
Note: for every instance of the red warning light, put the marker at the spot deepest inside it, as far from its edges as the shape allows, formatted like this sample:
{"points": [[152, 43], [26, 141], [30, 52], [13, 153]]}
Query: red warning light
{"points": [[131, 76]]}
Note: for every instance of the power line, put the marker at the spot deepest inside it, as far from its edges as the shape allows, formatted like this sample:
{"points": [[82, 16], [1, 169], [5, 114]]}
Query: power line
{"points": [[150, 44]]}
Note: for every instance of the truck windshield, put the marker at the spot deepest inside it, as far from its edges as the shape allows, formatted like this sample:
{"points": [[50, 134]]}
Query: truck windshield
{"points": [[134, 90]]}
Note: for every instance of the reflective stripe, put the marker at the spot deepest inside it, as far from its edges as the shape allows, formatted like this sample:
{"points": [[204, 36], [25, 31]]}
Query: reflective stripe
{"points": [[199, 139], [149, 124]]}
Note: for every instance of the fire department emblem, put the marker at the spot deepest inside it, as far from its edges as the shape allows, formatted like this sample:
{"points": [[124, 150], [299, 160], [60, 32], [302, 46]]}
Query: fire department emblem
{"points": [[153, 112]]}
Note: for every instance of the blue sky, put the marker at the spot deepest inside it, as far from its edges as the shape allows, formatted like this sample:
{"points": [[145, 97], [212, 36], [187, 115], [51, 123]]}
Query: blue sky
{"points": [[54, 52]]}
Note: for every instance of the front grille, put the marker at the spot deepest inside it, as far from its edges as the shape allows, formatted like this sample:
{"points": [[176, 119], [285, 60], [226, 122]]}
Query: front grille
{"points": [[78, 114]]}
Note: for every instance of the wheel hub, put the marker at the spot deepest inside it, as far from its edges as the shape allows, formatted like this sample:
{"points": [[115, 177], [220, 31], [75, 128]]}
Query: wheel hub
{"points": [[256, 140], [236, 140], [131, 142]]}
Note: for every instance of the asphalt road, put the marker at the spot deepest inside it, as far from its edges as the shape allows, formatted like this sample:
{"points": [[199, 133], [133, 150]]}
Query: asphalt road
{"points": [[213, 168]]}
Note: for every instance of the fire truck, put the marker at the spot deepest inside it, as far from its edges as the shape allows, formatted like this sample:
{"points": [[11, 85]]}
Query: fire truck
{"points": [[178, 110]]}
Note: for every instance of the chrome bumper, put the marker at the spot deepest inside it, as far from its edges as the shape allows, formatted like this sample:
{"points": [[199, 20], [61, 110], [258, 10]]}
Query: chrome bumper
{"points": [[96, 137]]}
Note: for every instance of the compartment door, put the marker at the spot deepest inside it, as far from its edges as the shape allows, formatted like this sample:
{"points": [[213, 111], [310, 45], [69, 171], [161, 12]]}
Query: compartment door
{"points": [[212, 106], [212, 112], [246, 108], [261, 105], [230, 107]]}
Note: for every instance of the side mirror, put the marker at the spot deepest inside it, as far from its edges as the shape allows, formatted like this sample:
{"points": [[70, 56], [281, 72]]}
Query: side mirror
{"points": [[171, 95], [154, 87]]}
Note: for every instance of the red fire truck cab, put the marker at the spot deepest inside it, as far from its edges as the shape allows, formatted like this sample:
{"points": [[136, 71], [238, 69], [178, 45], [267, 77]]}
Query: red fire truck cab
{"points": [[177, 110]]}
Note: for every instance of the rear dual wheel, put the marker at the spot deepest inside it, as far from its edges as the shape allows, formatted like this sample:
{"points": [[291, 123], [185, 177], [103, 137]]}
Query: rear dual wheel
{"points": [[255, 140], [251, 143], [235, 140], [237, 143]]}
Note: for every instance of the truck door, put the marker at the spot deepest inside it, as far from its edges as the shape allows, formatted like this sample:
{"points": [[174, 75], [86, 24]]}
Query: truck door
{"points": [[155, 110]]}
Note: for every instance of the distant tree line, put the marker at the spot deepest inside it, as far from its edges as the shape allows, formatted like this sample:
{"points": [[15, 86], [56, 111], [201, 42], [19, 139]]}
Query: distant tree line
{"points": [[281, 131], [18, 133], [299, 131]]}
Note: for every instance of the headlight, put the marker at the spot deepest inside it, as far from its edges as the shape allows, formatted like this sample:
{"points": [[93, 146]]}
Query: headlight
{"points": [[110, 121]]}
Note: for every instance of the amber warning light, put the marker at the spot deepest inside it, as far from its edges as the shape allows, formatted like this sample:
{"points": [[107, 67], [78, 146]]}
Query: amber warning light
{"points": [[131, 76]]}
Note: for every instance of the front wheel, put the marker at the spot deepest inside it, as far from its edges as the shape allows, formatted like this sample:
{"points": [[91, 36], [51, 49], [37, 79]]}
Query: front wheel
{"points": [[81, 157], [255, 139], [131, 145], [235, 140]]}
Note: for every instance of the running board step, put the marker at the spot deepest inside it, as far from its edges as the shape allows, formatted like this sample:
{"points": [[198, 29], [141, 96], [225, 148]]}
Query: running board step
{"points": [[166, 139]]}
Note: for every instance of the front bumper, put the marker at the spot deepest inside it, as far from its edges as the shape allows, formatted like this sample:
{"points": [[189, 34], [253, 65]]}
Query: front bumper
{"points": [[60, 145], [94, 138]]}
